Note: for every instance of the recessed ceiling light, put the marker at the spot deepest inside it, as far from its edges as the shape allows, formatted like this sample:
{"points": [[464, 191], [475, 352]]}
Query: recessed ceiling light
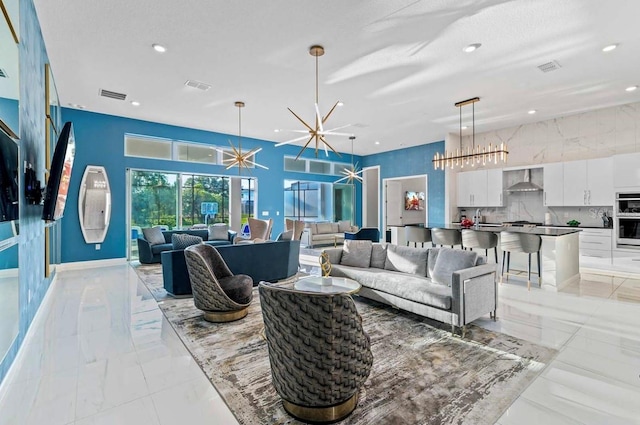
{"points": [[532, 111], [471, 47], [277, 130], [377, 143], [609, 48], [135, 103], [340, 103], [159, 48], [632, 88]]}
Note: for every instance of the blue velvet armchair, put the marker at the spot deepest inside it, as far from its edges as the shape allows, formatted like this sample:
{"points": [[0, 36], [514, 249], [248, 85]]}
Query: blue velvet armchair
{"points": [[366, 233]]}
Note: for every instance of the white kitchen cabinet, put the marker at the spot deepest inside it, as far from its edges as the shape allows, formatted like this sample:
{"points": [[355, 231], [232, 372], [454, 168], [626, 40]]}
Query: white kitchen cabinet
{"points": [[626, 170], [588, 182], [494, 188], [575, 183], [480, 188], [600, 182], [596, 248], [553, 185]]}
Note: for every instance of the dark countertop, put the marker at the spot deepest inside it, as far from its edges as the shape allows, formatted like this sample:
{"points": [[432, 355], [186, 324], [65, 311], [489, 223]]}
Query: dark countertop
{"points": [[542, 231], [579, 227]]}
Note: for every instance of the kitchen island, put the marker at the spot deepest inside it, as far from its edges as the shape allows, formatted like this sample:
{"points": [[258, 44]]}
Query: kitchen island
{"points": [[559, 252]]}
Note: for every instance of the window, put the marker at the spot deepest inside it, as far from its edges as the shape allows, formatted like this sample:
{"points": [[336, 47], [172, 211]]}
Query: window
{"points": [[193, 152], [308, 201], [147, 147], [314, 166]]}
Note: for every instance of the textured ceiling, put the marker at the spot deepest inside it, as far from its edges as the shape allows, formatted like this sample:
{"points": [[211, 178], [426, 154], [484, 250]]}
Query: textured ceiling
{"points": [[397, 65]]}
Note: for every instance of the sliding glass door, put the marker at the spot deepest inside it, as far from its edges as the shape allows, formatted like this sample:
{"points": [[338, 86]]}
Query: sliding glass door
{"points": [[180, 201]]}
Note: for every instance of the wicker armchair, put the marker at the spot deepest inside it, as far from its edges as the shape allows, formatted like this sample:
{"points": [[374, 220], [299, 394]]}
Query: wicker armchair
{"points": [[320, 356], [221, 295]]}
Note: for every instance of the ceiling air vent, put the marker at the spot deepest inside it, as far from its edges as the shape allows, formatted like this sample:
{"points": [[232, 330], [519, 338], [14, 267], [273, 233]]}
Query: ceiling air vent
{"points": [[112, 94], [3, 73], [198, 85], [549, 66]]}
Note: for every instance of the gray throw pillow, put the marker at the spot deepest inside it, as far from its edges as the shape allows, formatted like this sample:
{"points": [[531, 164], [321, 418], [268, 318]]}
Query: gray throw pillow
{"points": [[219, 232], [153, 235], [182, 240], [407, 259], [451, 260], [356, 253], [378, 255]]}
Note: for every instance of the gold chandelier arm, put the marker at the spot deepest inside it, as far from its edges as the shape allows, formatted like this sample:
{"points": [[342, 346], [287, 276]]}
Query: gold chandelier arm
{"points": [[330, 112], [297, 139], [255, 164], [318, 118], [301, 120], [304, 147], [330, 147]]}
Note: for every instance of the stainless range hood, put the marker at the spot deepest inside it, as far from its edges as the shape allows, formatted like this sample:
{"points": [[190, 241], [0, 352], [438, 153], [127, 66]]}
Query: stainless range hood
{"points": [[524, 186]]}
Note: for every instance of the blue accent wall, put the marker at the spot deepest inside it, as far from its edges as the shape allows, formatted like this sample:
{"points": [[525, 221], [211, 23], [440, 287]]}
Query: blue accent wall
{"points": [[414, 161], [33, 284], [100, 141]]}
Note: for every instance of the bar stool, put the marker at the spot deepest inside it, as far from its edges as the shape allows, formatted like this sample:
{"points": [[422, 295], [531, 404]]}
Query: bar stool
{"points": [[520, 242], [449, 237], [480, 239], [417, 234]]}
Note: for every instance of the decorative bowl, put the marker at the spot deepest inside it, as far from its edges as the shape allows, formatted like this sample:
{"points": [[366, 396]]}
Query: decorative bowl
{"points": [[466, 223], [573, 223]]}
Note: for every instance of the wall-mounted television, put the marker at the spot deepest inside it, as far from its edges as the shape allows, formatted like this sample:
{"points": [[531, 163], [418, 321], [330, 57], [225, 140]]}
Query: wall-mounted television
{"points": [[414, 201], [55, 195], [8, 178]]}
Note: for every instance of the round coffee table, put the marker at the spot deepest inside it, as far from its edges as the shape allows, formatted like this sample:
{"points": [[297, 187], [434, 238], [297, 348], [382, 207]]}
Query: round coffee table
{"points": [[339, 285]]}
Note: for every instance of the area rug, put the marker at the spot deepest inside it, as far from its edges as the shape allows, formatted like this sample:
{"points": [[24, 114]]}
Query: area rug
{"points": [[421, 373]]}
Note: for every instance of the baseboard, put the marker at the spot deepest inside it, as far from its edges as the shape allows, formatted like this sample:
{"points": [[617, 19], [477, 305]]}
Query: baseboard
{"points": [[79, 265]]}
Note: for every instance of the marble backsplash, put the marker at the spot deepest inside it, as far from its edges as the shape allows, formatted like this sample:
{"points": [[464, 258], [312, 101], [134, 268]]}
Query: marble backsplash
{"points": [[529, 206]]}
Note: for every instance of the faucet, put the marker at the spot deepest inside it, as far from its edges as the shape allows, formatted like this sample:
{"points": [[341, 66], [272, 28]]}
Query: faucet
{"points": [[477, 218]]}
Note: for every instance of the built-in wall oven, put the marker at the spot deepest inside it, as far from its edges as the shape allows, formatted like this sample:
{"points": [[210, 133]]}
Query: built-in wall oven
{"points": [[628, 219]]}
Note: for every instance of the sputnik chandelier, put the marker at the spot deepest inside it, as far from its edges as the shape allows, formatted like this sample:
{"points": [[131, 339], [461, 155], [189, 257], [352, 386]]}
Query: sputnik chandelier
{"points": [[474, 154], [317, 131], [351, 174], [239, 158]]}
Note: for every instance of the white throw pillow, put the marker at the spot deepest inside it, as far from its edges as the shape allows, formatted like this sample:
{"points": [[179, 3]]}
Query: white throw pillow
{"points": [[219, 231], [153, 235]]}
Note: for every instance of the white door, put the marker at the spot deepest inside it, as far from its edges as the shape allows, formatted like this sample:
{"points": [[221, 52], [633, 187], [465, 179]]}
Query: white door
{"points": [[395, 203], [553, 185], [494, 188], [575, 183], [600, 182]]}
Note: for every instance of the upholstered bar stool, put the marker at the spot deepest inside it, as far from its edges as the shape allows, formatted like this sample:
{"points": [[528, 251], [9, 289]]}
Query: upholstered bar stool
{"points": [[480, 239], [443, 237], [520, 242], [416, 235]]}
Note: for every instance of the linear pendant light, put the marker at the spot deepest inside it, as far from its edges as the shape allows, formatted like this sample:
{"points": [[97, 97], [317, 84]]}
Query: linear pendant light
{"points": [[474, 154]]}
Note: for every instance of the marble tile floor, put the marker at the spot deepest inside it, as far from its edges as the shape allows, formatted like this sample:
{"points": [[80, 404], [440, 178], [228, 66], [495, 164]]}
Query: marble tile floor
{"points": [[101, 352]]}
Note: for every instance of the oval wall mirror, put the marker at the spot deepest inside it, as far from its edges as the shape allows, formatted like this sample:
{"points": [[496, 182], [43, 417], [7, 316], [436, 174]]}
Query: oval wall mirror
{"points": [[94, 204]]}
